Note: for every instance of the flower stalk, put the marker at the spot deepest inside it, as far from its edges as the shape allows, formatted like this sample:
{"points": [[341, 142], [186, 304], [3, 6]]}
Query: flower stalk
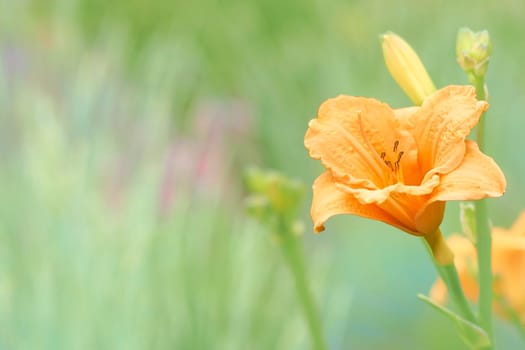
{"points": [[442, 254], [449, 274], [274, 200], [294, 257], [443, 260], [473, 51], [484, 238]]}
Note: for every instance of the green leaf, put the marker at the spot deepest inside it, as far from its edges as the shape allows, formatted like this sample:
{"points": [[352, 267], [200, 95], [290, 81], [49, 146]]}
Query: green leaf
{"points": [[473, 335]]}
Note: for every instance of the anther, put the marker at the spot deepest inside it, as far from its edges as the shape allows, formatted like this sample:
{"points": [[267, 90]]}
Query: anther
{"points": [[396, 143], [383, 155], [396, 163]]}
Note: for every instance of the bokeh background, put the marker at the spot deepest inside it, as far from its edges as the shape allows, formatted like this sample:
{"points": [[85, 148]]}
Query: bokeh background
{"points": [[125, 128]]}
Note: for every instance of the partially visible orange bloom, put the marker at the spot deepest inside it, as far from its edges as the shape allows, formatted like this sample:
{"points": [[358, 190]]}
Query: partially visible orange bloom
{"points": [[508, 266], [399, 166]]}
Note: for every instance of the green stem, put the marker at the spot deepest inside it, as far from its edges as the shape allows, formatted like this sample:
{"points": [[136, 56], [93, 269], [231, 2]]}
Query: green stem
{"points": [[449, 275], [484, 238], [479, 84], [294, 257], [484, 242]]}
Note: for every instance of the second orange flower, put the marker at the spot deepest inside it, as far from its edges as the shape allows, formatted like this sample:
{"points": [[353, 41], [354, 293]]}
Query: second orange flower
{"points": [[508, 266]]}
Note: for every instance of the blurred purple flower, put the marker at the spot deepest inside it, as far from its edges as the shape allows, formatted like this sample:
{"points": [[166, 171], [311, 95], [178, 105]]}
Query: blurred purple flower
{"points": [[13, 59], [203, 164]]}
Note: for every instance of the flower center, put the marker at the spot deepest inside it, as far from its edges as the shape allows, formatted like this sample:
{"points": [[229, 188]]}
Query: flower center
{"points": [[393, 162]]}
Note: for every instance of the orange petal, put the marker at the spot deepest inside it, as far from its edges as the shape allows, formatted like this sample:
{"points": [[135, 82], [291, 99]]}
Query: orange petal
{"points": [[348, 136], [403, 115], [366, 196], [441, 126], [508, 241], [328, 200], [410, 166], [404, 203], [439, 292], [508, 263], [477, 177], [429, 219]]}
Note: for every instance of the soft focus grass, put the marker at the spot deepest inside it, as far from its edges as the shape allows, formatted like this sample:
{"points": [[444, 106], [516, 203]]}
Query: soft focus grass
{"points": [[124, 130]]}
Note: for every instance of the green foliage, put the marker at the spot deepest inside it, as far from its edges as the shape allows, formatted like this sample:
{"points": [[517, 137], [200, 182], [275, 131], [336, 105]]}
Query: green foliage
{"points": [[121, 222]]}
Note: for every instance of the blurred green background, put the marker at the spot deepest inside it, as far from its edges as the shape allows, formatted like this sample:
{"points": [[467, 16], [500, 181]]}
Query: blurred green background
{"points": [[125, 127]]}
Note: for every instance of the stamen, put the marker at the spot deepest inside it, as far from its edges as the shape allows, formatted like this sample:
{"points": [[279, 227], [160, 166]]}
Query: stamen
{"points": [[395, 167], [396, 163], [396, 143]]}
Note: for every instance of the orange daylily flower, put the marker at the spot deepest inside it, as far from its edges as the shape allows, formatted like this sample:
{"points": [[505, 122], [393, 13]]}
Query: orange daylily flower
{"points": [[399, 166], [508, 266]]}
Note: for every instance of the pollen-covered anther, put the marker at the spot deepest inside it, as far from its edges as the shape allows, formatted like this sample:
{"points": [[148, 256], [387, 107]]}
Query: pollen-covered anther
{"points": [[395, 146], [394, 165]]}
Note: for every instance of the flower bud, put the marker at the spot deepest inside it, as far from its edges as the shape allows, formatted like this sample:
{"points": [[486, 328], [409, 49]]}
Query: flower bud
{"points": [[473, 51], [272, 194], [406, 68]]}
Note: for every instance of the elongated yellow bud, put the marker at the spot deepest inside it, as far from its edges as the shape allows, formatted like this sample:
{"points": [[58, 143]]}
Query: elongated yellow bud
{"points": [[406, 68]]}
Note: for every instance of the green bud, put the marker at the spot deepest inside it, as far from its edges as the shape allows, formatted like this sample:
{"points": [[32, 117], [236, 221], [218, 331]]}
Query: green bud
{"points": [[473, 51], [256, 181], [258, 207], [285, 194], [298, 228], [273, 198]]}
